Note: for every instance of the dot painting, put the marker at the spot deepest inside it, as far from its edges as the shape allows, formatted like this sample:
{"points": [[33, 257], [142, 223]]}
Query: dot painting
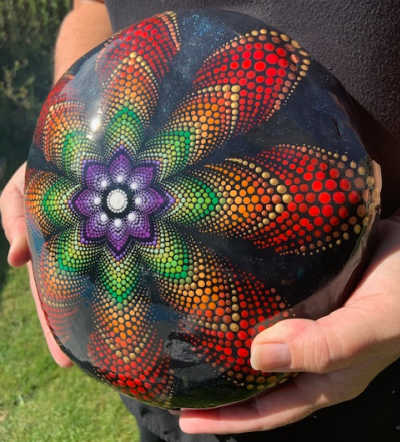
{"points": [[173, 213]]}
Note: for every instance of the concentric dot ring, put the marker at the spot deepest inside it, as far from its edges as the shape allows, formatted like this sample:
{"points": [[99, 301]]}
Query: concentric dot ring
{"points": [[117, 201]]}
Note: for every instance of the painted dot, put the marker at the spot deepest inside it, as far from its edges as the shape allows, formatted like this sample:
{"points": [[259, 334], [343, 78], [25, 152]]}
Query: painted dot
{"points": [[344, 184], [117, 201], [314, 211], [327, 210], [339, 197], [243, 352], [272, 58], [354, 197], [133, 216], [317, 186], [330, 184], [324, 197], [334, 173], [259, 66], [343, 212]]}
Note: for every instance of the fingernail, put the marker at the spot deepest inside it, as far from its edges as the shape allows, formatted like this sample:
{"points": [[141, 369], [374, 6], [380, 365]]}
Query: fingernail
{"points": [[270, 357]]}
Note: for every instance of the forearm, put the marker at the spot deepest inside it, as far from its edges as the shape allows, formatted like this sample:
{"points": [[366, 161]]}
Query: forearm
{"points": [[82, 29]]}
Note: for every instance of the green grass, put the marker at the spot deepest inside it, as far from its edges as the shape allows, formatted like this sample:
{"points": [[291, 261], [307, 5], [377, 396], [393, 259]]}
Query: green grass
{"points": [[40, 401]]}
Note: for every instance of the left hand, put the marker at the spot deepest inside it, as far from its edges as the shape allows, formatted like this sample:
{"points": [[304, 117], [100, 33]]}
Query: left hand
{"points": [[338, 355]]}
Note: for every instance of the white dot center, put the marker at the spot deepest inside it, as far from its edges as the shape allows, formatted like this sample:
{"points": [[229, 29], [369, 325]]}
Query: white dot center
{"points": [[117, 200]]}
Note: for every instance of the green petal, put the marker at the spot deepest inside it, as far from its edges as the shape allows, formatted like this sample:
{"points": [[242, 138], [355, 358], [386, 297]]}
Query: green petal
{"points": [[171, 149], [125, 128], [118, 277], [73, 254], [66, 139], [128, 104], [60, 290], [77, 149], [190, 135], [194, 199], [169, 256]]}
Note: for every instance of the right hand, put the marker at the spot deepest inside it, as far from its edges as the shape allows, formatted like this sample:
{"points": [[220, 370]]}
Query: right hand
{"points": [[14, 225]]}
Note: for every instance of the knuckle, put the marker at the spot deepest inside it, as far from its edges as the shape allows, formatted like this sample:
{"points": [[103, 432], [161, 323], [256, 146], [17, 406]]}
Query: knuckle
{"points": [[322, 360], [316, 352]]}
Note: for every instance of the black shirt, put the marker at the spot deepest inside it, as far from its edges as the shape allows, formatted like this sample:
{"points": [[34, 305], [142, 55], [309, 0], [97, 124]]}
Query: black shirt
{"points": [[359, 42]]}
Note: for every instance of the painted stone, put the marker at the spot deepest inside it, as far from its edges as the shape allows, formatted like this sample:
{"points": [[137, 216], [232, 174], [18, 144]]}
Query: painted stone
{"points": [[191, 181]]}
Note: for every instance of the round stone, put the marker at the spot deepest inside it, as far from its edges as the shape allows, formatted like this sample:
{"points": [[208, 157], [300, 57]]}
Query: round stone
{"points": [[236, 239], [117, 200]]}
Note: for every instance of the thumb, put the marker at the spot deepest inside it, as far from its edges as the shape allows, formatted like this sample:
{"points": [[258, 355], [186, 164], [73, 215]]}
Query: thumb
{"points": [[367, 324], [331, 343]]}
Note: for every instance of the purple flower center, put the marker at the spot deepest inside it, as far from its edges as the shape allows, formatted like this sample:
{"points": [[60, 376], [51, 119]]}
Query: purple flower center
{"points": [[119, 201]]}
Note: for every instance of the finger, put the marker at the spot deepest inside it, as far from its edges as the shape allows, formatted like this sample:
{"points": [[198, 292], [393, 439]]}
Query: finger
{"points": [[328, 344], [287, 404], [58, 355], [13, 218]]}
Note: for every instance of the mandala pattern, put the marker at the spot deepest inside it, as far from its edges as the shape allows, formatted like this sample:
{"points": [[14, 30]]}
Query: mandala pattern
{"points": [[123, 208]]}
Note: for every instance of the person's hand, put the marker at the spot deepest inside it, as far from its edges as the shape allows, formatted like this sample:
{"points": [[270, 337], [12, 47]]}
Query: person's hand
{"points": [[13, 220], [340, 354]]}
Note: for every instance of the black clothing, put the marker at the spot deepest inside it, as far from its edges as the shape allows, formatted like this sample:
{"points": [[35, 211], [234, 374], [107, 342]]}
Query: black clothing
{"points": [[359, 42]]}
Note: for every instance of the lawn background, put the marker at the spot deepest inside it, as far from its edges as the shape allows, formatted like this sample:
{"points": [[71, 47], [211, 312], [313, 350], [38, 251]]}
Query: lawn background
{"points": [[38, 400]]}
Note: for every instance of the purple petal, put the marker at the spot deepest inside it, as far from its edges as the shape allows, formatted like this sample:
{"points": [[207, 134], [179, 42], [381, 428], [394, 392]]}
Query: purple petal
{"points": [[148, 201], [118, 234], [141, 177], [96, 177], [87, 202], [96, 226], [120, 167], [139, 225]]}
